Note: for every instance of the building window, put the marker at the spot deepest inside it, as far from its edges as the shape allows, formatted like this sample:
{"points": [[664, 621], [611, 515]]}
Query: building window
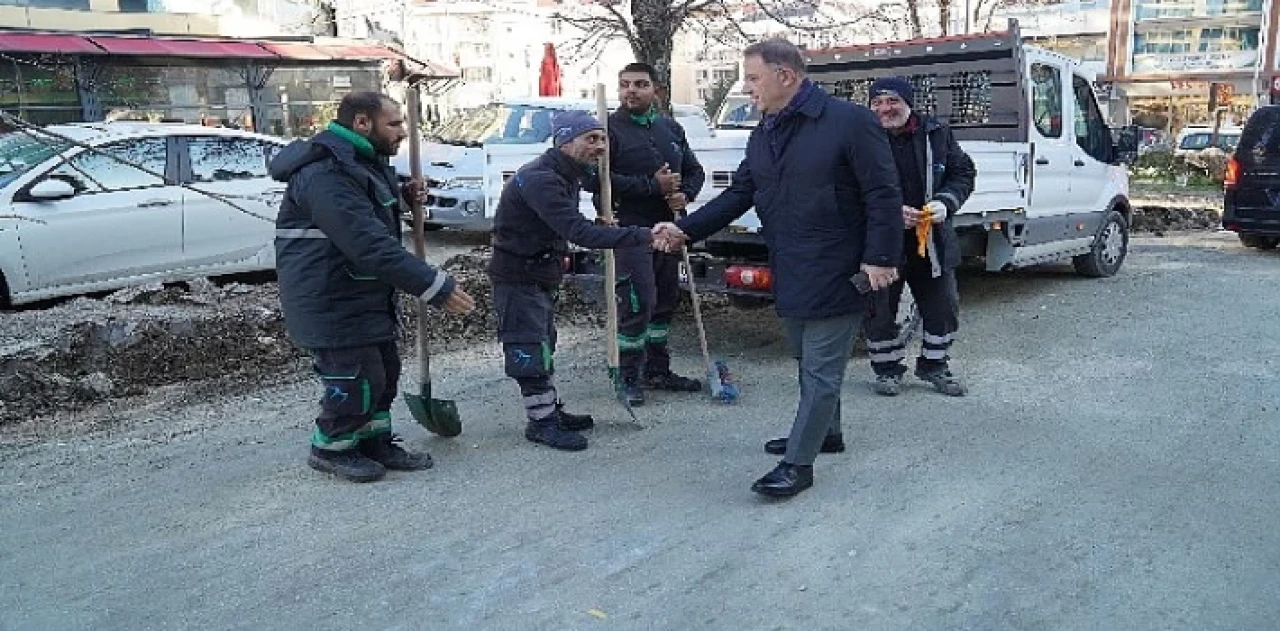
{"points": [[1159, 9]]}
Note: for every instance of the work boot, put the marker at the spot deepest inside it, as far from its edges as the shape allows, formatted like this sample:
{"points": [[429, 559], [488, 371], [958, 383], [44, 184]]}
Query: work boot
{"points": [[831, 444], [383, 449], [673, 382], [349, 464], [943, 381], [548, 432], [887, 385], [573, 422]]}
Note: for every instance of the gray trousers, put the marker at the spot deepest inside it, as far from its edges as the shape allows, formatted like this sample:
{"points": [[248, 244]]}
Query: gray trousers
{"points": [[822, 348]]}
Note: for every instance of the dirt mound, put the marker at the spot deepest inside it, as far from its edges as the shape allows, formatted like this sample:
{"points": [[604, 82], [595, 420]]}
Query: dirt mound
{"points": [[87, 351], [1161, 219]]}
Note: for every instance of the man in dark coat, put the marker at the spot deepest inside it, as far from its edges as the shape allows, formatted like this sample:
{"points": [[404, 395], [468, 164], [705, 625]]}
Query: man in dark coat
{"points": [[339, 262], [936, 177], [820, 175], [655, 175], [537, 217]]}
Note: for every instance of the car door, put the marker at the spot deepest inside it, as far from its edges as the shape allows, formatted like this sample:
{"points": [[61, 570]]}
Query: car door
{"points": [[122, 222], [1092, 152], [215, 233], [1052, 144]]}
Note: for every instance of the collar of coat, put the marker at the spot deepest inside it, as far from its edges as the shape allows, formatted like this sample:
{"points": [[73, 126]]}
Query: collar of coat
{"points": [[361, 144], [808, 100], [567, 166]]}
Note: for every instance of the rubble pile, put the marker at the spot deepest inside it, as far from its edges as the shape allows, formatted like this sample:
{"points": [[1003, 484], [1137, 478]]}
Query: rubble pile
{"points": [[1161, 219], [87, 351]]}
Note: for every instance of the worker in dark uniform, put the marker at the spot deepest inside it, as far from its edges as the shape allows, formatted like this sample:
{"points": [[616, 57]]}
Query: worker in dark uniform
{"points": [[654, 175], [936, 177], [537, 216], [339, 262]]}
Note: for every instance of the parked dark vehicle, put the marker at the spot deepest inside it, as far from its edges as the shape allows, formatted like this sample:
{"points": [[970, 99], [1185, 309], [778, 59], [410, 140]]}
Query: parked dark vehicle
{"points": [[1252, 204]]}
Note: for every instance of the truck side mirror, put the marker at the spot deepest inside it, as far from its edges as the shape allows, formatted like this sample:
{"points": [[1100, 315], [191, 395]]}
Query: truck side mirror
{"points": [[1124, 144]]}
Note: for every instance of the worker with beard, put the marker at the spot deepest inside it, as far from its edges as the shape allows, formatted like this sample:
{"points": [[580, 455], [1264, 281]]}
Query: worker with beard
{"points": [[936, 177], [339, 262], [654, 175], [536, 218]]}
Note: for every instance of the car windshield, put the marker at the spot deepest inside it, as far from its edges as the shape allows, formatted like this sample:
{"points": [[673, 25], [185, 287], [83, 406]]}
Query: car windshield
{"points": [[20, 152], [1201, 141], [498, 125], [737, 112]]}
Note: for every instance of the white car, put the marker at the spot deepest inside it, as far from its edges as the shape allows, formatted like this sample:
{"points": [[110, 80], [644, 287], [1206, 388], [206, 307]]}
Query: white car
{"points": [[75, 221]]}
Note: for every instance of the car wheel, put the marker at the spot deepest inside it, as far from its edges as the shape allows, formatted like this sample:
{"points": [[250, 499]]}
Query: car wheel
{"points": [[1110, 247], [1258, 241]]}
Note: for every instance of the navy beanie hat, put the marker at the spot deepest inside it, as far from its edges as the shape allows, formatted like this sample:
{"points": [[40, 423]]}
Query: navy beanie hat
{"points": [[893, 86], [570, 124]]}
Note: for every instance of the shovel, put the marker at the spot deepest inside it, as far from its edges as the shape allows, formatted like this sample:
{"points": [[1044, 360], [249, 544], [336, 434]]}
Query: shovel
{"points": [[719, 380], [610, 266], [439, 416]]}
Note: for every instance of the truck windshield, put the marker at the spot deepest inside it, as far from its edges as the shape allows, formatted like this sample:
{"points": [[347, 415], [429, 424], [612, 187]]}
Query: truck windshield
{"points": [[737, 112], [20, 152], [499, 125]]}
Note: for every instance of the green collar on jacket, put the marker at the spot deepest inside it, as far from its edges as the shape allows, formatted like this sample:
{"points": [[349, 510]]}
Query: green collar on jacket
{"points": [[362, 144]]}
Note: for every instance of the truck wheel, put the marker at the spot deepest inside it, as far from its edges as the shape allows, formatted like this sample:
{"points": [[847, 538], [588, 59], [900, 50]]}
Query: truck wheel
{"points": [[1110, 247], [1258, 241]]}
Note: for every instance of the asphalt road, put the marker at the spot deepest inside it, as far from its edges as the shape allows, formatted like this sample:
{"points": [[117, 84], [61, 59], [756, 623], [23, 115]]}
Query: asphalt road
{"points": [[1114, 467]]}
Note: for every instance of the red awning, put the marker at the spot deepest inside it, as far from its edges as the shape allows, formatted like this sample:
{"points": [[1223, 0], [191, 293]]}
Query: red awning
{"points": [[151, 46], [47, 43], [362, 52], [301, 52]]}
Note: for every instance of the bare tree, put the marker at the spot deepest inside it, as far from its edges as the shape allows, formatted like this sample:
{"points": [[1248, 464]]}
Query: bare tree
{"points": [[650, 26]]}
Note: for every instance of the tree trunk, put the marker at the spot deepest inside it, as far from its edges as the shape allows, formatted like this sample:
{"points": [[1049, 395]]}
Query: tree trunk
{"points": [[654, 27], [913, 13]]}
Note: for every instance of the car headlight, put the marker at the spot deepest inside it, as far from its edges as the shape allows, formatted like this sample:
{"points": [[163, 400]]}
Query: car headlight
{"points": [[464, 182]]}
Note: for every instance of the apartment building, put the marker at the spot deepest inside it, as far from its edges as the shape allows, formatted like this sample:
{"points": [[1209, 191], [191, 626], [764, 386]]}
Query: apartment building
{"points": [[1167, 54]]}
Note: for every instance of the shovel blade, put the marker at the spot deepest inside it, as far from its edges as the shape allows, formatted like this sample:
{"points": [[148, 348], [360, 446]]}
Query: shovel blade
{"points": [[438, 416], [620, 391]]}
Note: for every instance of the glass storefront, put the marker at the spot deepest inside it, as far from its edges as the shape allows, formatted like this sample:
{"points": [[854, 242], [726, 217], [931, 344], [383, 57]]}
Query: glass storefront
{"points": [[205, 95]]}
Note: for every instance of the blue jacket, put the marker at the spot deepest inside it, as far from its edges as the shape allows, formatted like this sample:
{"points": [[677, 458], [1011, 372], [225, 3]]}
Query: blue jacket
{"points": [[538, 216], [636, 152], [823, 182], [339, 258]]}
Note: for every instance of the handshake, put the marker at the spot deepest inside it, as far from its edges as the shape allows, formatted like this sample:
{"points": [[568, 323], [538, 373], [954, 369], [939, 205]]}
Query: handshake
{"points": [[668, 237]]}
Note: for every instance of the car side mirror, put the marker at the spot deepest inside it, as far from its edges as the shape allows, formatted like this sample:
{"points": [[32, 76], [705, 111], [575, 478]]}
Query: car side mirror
{"points": [[52, 189], [1124, 144]]}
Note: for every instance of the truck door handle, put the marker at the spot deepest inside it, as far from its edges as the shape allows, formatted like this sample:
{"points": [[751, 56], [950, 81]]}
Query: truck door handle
{"points": [[152, 203], [1079, 162], [1042, 161]]}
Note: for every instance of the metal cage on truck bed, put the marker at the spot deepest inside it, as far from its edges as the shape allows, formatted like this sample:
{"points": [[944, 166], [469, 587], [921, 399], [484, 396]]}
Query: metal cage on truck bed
{"points": [[974, 83]]}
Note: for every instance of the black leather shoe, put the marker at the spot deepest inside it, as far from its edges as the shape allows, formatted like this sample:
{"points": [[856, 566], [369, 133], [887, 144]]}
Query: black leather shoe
{"points": [[785, 480], [832, 444], [573, 422]]}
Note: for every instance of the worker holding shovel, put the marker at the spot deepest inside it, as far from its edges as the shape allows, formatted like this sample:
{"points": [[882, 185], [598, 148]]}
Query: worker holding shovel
{"points": [[339, 261], [536, 218]]}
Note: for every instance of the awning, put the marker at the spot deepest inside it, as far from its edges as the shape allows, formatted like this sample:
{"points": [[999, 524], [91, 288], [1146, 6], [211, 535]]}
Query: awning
{"points": [[159, 47], [363, 52], [300, 52], [47, 43]]}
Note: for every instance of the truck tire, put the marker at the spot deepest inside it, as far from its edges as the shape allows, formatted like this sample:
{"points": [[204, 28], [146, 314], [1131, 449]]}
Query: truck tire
{"points": [[1110, 247], [1258, 241]]}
